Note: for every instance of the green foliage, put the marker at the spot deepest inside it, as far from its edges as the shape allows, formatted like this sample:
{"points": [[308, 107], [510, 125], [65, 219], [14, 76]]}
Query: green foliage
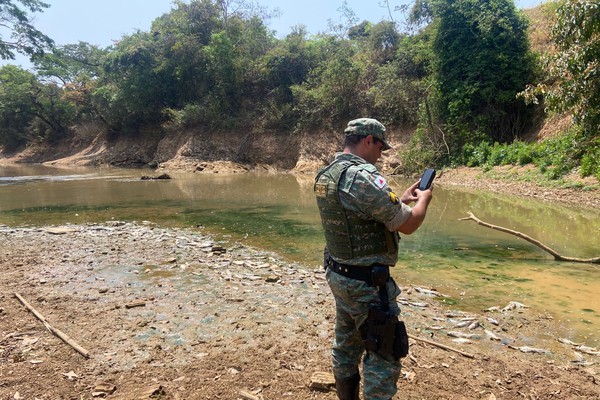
{"points": [[30, 110], [24, 37], [15, 87], [481, 61], [571, 81], [555, 157], [334, 90], [419, 154], [400, 84], [576, 64], [590, 161]]}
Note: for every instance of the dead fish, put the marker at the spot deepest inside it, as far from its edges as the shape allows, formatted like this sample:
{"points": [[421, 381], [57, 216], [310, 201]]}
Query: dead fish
{"points": [[492, 335], [451, 314], [435, 328], [494, 308], [514, 305], [583, 363], [493, 321], [461, 341], [418, 304], [527, 349], [427, 291], [463, 335], [474, 325], [588, 350], [580, 360], [567, 341], [462, 324]]}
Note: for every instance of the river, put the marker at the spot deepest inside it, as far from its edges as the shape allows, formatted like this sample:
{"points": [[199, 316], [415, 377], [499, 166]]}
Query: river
{"points": [[475, 266]]}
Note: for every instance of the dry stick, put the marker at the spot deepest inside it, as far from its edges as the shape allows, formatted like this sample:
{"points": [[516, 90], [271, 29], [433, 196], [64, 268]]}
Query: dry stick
{"points": [[52, 329], [248, 396], [442, 346], [557, 257]]}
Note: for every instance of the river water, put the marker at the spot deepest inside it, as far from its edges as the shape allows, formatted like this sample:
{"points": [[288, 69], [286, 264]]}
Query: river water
{"points": [[476, 266]]}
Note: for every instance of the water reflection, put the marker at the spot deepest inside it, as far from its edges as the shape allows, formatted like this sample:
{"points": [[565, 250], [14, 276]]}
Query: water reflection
{"points": [[477, 266]]}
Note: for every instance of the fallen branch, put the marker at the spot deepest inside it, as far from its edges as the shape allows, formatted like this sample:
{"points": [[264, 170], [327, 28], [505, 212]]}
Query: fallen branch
{"points": [[136, 304], [441, 346], [248, 396], [555, 254], [52, 329]]}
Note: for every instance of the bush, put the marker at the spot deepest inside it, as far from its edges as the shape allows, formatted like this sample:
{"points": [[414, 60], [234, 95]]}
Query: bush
{"points": [[555, 157], [590, 162]]}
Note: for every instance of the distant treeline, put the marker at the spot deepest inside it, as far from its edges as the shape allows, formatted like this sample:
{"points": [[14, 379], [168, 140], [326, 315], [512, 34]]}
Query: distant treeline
{"points": [[460, 73]]}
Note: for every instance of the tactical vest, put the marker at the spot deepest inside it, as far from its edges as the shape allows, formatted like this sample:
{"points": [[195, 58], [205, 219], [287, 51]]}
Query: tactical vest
{"points": [[347, 235]]}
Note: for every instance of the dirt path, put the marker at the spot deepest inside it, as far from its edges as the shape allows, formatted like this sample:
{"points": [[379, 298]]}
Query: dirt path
{"points": [[172, 314]]}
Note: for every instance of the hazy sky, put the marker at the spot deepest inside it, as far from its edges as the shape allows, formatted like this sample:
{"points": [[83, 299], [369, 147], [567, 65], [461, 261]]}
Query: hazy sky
{"points": [[100, 22]]}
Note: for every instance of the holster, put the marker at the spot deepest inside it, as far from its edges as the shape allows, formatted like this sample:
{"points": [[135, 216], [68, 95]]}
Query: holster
{"points": [[384, 333]]}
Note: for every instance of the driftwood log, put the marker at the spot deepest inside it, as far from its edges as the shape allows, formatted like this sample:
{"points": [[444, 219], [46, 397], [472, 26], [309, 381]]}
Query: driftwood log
{"points": [[441, 346], [65, 338], [555, 254]]}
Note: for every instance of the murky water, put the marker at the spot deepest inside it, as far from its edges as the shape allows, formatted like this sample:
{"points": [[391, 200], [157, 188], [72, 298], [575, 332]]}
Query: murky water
{"points": [[478, 267]]}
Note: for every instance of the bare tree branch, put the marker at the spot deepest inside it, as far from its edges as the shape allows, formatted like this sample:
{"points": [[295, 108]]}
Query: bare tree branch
{"points": [[555, 254]]}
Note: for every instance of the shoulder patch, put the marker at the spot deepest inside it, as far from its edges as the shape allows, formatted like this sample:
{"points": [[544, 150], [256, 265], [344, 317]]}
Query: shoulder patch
{"points": [[380, 182], [321, 189], [394, 198]]}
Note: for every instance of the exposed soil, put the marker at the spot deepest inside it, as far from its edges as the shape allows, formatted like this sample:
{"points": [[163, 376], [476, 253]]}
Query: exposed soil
{"points": [[172, 314]]}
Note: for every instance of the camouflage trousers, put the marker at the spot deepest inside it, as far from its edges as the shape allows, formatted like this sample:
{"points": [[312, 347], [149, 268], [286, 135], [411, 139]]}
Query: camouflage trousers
{"points": [[352, 300]]}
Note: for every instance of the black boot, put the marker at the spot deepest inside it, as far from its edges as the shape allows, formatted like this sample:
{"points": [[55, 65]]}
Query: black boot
{"points": [[347, 388]]}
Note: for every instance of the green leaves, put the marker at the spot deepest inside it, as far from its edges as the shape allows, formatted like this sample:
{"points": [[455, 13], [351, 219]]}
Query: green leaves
{"points": [[482, 62], [24, 38], [577, 64]]}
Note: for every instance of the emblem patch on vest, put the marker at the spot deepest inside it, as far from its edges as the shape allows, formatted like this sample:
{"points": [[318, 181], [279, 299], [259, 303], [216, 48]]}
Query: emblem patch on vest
{"points": [[321, 190], [394, 198]]}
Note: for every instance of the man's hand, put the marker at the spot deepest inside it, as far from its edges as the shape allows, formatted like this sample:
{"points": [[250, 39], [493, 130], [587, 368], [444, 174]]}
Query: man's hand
{"points": [[419, 210], [409, 194]]}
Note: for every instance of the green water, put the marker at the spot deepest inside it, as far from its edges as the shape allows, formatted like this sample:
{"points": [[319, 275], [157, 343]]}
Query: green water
{"points": [[476, 266]]}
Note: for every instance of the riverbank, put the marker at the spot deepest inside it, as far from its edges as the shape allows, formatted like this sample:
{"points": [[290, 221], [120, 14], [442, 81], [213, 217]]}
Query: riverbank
{"points": [[237, 152], [174, 314], [527, 181]]}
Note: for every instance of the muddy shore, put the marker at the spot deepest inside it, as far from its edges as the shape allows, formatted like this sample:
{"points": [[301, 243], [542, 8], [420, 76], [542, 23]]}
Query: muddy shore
{"points": [[173, 314]]}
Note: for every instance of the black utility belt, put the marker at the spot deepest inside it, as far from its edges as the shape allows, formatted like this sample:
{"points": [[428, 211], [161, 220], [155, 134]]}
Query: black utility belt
{"points": [[375, 275]]}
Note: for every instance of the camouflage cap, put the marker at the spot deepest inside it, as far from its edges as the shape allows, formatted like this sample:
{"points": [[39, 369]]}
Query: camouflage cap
{"points": [[366, 127]]}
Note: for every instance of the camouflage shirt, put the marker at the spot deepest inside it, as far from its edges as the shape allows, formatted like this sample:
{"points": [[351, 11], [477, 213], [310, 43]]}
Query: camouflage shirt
{"points": [[367, 193]]}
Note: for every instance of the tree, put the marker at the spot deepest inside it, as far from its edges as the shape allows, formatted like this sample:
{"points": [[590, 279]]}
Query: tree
{"points": [[481, 61], [23, 37], [77, 69], [384, 40], [572, 81], [335, 90], [137, 85], [29, 109], [576, 65], [15, 116]]}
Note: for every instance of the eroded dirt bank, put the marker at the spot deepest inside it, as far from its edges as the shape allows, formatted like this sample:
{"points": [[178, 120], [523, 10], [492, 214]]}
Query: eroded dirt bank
{"points": [[173, 314], [238, 152]]}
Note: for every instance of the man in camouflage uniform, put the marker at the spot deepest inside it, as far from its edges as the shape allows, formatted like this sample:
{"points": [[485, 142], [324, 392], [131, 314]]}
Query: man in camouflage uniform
{"points": [[361, 219]]}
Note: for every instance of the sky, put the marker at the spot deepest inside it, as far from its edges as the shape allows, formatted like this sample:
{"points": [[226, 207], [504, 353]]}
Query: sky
{"points": [[100, 22]]}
